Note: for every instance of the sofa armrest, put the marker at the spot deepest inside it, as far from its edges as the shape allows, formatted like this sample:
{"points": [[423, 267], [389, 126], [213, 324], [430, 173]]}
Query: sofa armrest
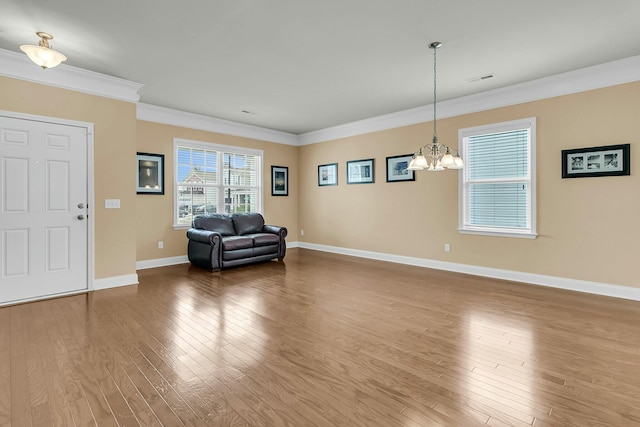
{"points": [[203, 236], [282, 233], [274, 229], [204, 248]]}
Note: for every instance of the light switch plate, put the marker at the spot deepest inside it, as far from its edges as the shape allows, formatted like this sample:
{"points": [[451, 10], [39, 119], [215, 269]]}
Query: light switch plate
{"points": [[112, 203]]}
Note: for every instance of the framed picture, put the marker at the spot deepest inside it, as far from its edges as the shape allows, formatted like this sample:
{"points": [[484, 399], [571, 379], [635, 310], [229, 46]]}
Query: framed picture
{"points": [[328, 174], [610, 160], [150, 173], [397, 168], [360, 171], [279, 181]]}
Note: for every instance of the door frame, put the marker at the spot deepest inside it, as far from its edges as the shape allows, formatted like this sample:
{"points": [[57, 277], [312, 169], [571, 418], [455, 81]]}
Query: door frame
{"points": [[88, 126]]}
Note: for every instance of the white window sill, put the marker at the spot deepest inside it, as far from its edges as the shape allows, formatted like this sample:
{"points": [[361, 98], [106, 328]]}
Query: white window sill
{"points": [[496, 233]]}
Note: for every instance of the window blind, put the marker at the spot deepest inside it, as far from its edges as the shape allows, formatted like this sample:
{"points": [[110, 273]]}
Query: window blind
{"points": [[498, 157], [215, 181]]}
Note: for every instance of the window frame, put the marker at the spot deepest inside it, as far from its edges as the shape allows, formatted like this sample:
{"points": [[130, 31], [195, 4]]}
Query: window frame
{"points": [[220, 149], [464, 227]]}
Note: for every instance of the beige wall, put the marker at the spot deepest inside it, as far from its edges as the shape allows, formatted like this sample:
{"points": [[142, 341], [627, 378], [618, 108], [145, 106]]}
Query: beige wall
{"points": [[588, 228], [155, 213], [115, 148]]}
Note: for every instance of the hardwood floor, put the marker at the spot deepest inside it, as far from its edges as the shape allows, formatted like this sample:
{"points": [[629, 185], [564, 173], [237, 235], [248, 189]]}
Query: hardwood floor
{"points": [[321, 340]]}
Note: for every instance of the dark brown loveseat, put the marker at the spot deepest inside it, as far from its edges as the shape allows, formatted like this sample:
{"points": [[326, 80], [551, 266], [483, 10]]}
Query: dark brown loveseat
{"points": [[217, 241]]}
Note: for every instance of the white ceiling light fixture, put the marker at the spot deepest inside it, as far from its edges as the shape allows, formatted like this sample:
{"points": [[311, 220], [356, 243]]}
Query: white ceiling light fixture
{"points": [[435, 157], [42, 54]]}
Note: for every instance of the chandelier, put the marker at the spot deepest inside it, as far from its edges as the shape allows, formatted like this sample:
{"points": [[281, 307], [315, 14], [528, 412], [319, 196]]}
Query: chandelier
{"points": [[42, 54], [435, 157]]}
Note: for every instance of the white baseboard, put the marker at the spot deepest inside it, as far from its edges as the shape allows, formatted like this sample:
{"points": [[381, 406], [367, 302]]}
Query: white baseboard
{"points": [[161, 262], [115, 281], [292, 245], [616, 291]]}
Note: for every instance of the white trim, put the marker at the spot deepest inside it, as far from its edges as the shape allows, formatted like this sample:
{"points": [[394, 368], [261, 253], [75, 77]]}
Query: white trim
{"points": [[487, 232], [212, 146], [43, 297], [168, 116], [90, 180], [161, 262], [293, 245], [610, 290], [115, 281], [598, 76], [18, 66], [530, 124]]}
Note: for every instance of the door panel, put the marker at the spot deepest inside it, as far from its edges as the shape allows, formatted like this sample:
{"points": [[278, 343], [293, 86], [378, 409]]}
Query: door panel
{"points": [[44, 232]]}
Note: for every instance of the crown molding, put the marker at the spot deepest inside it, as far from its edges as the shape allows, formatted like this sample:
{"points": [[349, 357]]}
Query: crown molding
{"points": [[598, 76], [168, 116], [18, 66]]}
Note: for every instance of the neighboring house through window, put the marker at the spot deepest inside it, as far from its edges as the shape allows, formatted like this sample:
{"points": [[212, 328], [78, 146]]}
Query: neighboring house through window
{"points": [[498, 186], [212, 178]]}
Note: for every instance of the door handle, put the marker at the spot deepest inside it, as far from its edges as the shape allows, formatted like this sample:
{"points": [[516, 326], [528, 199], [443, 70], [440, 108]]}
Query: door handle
{"points": [[80, 217], [81, 205]]}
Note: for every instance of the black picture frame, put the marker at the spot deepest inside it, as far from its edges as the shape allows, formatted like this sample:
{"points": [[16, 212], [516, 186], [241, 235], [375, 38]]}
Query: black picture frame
{"points": [[150, 177], [328, 174], [361, 171], [397, 168], [279, 181], [606, 160]]}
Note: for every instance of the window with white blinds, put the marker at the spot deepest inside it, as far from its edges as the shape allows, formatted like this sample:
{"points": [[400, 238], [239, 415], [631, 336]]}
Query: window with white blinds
{"points": [[211, 178], [497, 194]]}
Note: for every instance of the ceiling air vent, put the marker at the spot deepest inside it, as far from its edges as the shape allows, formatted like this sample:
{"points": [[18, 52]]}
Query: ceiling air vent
{"points": [[480, 78]]}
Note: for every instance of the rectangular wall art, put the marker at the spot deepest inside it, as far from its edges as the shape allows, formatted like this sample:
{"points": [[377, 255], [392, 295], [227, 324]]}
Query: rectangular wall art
{"points": [[328, 174], [610, 160], [397, 168], [360, 172], [150, 178], [279, 181]]}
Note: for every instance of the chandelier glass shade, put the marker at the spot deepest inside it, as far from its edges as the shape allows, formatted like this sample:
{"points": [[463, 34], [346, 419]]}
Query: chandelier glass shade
{"points": [[435, 157], [42, 54]]}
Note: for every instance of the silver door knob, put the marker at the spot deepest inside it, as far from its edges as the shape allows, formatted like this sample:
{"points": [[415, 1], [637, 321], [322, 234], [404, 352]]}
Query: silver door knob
{"points": [[80, 217], [81, 205]]}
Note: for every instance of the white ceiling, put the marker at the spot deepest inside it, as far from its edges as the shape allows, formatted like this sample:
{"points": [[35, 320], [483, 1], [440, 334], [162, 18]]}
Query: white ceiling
{"points": [[303, 65]]}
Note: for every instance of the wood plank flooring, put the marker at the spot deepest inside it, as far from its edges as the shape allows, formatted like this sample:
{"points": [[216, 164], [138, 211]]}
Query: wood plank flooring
{"points": [[321, 340]]}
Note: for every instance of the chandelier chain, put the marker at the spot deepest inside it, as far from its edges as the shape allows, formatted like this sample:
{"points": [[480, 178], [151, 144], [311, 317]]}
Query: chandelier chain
{"points": [[435, 128]]}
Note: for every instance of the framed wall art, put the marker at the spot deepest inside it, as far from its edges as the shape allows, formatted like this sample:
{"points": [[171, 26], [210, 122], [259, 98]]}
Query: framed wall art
{"points": [[328, 174], [279, 181], [360, 171], [610, 160], [150, 178], [397, 168]]}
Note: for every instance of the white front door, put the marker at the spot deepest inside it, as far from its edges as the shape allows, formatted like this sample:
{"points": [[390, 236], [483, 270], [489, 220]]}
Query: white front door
{"points": [[43, 209]]}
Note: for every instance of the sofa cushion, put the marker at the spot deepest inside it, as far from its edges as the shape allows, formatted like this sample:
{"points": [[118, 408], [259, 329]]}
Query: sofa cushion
{"points": [[232, 243], [240, 254], [264, 239], [215, 222], [247, 223]]}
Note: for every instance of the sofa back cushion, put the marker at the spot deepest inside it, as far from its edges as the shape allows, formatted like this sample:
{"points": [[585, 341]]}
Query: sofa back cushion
{"points": [[247, 223], [215, 222]]}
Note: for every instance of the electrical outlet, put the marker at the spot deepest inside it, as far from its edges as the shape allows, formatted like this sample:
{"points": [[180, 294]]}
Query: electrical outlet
{"points": [[302, 232], [160, 244], [447, 247]]}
